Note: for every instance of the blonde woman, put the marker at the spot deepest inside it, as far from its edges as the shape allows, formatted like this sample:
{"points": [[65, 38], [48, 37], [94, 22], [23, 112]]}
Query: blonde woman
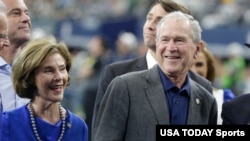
{"points": [[41, 73]]}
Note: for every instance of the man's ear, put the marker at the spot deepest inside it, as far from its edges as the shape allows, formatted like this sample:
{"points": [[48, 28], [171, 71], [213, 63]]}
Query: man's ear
{"points": [[199, 48]]}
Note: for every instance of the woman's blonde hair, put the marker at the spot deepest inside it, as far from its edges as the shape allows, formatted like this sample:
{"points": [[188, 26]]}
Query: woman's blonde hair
{"points": [[30, 58], [211, 63]]}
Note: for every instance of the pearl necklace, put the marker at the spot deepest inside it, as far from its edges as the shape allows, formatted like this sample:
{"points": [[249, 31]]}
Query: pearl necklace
{"points": [[33, 123]]}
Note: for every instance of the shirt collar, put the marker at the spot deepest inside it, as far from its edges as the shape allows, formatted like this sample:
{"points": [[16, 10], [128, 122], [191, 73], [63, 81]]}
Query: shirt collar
{"points": [[5, 67], [2, 62], [168, 84], [150, 60]]}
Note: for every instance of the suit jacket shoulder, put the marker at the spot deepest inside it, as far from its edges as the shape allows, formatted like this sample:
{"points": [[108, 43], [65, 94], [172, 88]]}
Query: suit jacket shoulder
{"points": [[201, 80], [131, 65], [110, 72], [237, 111], [117, 69]]}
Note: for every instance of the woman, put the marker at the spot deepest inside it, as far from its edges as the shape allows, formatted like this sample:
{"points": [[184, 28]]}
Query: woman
{"points": [[205, 65], [41, 73]]}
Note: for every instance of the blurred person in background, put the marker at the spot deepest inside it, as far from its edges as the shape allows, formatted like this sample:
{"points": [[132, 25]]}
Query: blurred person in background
{"points": [[205, 65], [73, 93], [237, 111], [159, 9], [87, 64], [19, 25], [45, 65], [234, 67], [126, 47], [98, 54]]}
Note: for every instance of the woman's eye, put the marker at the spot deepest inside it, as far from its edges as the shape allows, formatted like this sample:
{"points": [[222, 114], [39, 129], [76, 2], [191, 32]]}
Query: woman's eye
{"points": [[200, 64]]}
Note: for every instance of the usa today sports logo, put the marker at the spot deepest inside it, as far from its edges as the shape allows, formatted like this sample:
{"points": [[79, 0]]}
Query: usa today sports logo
{"points": [[198, 131]]}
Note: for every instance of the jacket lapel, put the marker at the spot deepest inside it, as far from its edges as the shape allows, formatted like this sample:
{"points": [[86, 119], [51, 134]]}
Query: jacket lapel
{"points": [[195, 103], [156, 96]]}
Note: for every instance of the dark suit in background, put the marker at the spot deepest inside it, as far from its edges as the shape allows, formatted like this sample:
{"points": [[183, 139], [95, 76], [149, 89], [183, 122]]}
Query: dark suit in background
{"points": [[237, 110]]}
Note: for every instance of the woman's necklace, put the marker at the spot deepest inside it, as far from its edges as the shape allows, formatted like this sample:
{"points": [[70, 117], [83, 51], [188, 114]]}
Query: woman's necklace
{"points": [[33, 123]]}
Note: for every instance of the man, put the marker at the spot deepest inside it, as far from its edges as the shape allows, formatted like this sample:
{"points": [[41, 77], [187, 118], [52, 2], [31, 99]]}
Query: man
{"points": [[18, 32], [4, 42], [237, 111], [136, 102], [158, 10]]}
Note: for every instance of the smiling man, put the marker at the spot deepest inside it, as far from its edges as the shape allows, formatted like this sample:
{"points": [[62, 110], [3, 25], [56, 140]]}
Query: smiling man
{"points": [[159, 9], [19, 26], [136, 102]]}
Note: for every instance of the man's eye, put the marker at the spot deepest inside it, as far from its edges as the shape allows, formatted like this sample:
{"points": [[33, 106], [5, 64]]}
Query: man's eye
{"points": [[15, 13], [179, 40], [148, 18], [27, 13], [164, 39]]}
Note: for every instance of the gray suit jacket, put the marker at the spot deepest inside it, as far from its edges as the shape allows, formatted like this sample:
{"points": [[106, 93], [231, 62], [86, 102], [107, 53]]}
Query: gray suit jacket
{"points": [[135, 103]]}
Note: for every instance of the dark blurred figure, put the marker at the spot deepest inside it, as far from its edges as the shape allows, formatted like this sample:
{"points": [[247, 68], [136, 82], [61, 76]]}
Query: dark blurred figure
{"points": [[73, 93], [97, 58], [236, 111]]}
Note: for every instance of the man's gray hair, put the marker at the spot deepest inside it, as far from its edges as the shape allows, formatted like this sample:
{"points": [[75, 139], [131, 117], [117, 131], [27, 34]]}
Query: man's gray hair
{"points": [[194, 24]]}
